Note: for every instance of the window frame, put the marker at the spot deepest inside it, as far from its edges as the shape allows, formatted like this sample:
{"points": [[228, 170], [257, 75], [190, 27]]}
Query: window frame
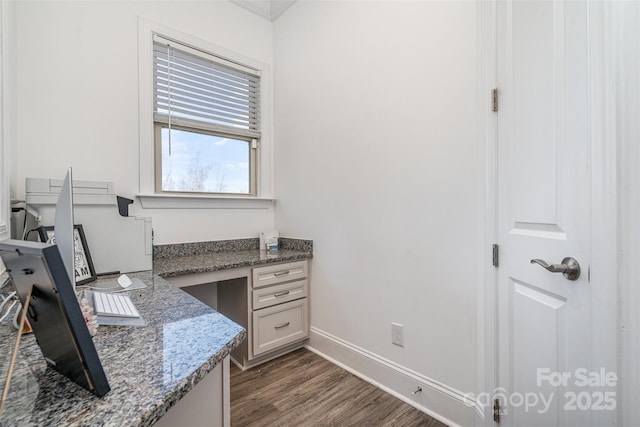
{"points": [[262, 197]]}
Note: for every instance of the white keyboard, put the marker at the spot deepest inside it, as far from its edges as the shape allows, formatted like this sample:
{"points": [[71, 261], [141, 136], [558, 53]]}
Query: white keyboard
{"points": [[114, 305]]}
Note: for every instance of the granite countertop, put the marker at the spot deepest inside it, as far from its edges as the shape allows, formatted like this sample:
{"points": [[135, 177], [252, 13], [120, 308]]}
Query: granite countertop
{"points": [[181, 259], [204, 263], [148, 368]]}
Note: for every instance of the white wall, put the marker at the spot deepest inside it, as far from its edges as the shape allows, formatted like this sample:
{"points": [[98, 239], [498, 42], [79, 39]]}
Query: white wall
{"points": [[5, 212], [376, 160], [76, 97]]}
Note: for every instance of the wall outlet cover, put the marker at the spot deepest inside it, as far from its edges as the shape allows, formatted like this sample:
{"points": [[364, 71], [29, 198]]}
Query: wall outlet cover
{"points": [[397, 337]]}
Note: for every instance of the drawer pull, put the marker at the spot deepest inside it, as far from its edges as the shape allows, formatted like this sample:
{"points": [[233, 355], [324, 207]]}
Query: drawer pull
{"points": [[282, 325], [281, 273], [281, 294]]}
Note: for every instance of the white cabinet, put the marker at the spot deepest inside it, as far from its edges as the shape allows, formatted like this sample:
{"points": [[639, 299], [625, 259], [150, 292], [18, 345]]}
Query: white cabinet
{"points": [[272, 304], [279, 310], [208, 400]]}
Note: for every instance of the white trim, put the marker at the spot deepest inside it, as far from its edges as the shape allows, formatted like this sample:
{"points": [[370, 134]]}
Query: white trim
{"points": [[438, 400], [264, 159], [487, 164], [185, 201], [626, 28]]}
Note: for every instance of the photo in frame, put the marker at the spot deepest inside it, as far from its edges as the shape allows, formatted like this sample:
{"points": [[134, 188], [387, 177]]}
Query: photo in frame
{"points": [[83, 265]]}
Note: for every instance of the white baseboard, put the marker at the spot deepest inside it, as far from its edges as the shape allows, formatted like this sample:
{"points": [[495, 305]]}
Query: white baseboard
{"points": [[438, 400]]}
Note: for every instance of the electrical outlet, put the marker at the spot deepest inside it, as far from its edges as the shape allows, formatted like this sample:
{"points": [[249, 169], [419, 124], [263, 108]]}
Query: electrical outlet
{"points": [[397, 335]]}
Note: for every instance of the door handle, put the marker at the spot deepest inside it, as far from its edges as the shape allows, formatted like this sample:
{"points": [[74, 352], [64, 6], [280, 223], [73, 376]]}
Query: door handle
{"points": [[569, 267]]}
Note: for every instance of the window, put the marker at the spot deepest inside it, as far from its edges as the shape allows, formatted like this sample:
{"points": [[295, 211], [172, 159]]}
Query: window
{"points": [[206, 115]]}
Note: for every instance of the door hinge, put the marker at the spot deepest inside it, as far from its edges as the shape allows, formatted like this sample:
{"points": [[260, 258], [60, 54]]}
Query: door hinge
{"points": [[494, 100], [496, 410], [496, 255]]}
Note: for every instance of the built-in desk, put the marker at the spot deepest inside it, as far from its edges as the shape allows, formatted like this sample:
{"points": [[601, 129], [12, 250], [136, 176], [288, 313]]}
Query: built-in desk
{"points": [[264, 293], [185, 346], [176, 365]]}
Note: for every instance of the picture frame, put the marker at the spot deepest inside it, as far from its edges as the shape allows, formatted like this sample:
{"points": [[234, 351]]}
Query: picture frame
{"points": [[83, 265]]}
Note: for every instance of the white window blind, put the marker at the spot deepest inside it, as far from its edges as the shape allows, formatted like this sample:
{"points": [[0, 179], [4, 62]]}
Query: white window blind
{"points": [[200, 90]]}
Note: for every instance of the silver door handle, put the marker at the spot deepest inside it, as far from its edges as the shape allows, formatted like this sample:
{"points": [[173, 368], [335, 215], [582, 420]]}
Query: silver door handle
{"points": [[569, 267]]}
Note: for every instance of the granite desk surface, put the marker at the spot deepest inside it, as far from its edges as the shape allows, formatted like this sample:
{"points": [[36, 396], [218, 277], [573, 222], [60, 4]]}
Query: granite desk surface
{"points": [[181, 259], [204, 263], [148, 368]]}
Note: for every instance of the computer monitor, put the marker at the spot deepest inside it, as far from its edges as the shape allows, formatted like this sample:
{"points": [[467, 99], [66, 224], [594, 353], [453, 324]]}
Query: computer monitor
{"points": [[63, 226], [54, 313], [48, 271]]}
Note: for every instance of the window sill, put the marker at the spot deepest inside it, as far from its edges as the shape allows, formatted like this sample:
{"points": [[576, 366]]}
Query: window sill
{"points": [[185, 201]]}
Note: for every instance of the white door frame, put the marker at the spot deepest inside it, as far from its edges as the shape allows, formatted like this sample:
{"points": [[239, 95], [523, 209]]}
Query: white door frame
{"points": [[604, 202], [627, 43], [487, 202]]}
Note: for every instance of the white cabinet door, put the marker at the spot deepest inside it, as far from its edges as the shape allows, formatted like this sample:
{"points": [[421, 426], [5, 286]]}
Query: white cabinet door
{"points": [[277, 326], [207, 404]]}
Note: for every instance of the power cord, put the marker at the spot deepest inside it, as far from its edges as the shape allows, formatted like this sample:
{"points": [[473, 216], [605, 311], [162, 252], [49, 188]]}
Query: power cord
{"points": [[17, 316], [9, 310], [24, 223], [14, 300], [26, 236]]}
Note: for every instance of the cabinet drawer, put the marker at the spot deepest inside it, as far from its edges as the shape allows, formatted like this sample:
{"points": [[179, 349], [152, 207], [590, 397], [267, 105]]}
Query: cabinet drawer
{"points": [[279, 325], [279, 273], [276, 294]]}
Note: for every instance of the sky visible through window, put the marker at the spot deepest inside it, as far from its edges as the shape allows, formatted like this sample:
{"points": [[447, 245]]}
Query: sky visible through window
{"points": [[204, 163]]}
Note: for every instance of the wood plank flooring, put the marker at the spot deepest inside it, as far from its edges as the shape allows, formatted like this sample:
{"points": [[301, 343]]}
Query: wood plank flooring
{"points": [[303, 389]]}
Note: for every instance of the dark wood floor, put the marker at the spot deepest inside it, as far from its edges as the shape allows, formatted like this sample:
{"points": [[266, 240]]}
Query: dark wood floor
{"points": [[303, 389]]}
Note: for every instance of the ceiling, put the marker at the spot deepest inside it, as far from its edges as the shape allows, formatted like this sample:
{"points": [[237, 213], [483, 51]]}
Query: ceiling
{"points": [[268, 9]]}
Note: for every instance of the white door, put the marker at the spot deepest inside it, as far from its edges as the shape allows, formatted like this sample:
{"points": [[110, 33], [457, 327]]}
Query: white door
{"points": [[544, 190]]}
